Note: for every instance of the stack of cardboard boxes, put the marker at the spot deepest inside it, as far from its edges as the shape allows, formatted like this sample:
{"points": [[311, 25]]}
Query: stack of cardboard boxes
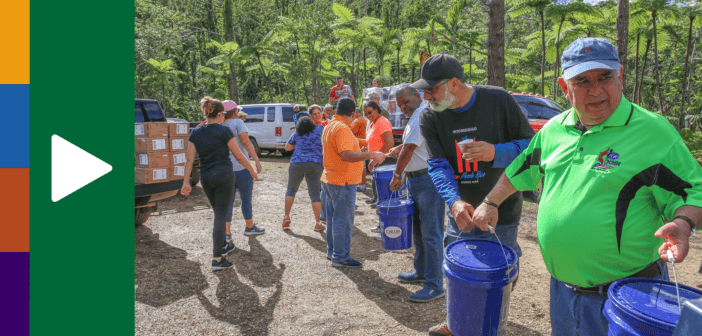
{"points": [[160, 151]]}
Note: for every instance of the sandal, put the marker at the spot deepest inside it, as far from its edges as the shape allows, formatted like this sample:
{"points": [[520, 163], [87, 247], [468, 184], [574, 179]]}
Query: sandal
{"points": [[286, 223]]}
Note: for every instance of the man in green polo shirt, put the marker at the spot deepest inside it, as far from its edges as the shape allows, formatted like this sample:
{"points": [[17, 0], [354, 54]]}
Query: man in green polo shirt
{"points": [[620, 188]]}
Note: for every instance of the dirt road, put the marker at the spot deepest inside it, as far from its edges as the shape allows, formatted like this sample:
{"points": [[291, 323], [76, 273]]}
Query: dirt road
{"points": [[282, 283]]}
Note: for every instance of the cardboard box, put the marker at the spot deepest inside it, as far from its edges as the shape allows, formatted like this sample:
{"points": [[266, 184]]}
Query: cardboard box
{"points": [[151, 175], [150, 130], [152, 160], [177, 158], [179, 129], [178, 144], [177, 172], [151, 145]]}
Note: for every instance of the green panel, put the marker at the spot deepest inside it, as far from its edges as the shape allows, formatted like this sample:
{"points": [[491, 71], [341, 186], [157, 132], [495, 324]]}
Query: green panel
{"points": [[82, 89]]}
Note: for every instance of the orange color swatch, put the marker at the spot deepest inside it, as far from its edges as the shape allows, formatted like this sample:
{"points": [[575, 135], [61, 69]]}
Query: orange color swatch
{"points": [[14, 210], [14, 39]]}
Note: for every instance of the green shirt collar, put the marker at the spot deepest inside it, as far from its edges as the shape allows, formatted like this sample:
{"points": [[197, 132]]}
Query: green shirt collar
{"points": [[620, 117]]}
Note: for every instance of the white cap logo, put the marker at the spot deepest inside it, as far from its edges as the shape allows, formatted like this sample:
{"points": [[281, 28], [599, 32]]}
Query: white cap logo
{"points": [[393, 231]]}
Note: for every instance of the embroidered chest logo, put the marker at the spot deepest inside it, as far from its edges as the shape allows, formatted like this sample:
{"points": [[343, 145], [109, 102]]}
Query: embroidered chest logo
{"points": [[607, 161]]}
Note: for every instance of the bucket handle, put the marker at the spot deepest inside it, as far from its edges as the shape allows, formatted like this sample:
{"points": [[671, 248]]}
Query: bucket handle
{"points": [[392, 193], [492, 229]]}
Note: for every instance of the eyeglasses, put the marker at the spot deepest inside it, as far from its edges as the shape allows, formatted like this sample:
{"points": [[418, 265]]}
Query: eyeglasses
{"points": [[430, 91]]}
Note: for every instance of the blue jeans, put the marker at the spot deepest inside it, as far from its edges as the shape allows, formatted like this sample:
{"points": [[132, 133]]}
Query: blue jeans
{"points": [[428, 230], [244, 183], [581, 314], [340, 210], [323, 212]]}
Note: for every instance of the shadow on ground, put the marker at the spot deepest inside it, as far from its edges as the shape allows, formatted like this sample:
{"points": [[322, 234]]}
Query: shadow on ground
{"points": [[363, 246], [240, 304], [161, 272], [518, 329], [390, 297]]}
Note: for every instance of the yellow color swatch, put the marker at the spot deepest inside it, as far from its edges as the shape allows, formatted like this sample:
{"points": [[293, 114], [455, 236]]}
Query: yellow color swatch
{"points": [[14, 42]]}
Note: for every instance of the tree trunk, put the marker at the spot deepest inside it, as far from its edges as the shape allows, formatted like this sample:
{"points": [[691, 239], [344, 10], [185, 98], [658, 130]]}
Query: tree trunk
{"points": [[304, 72], [470, 62], [431, 38], [636, 66], [643, 70], [229, 36], [353, 72], [233, 88], [655, 60], [557, 63], [692, 64], [313, 68], [398, 64], [265, 76], [365, 70], [413, 68], [496, 43], [543, 53], [623, 35], [684, 86]]}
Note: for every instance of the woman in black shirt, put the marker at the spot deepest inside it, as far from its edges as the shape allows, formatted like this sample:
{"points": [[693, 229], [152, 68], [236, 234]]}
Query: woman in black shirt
{"points": [[213, 142]]}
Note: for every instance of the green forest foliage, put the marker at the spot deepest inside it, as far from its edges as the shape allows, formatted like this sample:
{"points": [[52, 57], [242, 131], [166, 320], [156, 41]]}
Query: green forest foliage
{"points": [[292, 50]]}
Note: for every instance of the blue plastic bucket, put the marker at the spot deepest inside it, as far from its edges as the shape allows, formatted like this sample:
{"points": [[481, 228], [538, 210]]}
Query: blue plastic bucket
{"points": [[396, 219], [479, 285], [383, 177], [642, 306]]}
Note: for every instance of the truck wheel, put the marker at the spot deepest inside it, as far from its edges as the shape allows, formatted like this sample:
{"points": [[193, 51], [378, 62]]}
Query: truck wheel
{"points": [[194, 177], [255, 146], [141, 215]]}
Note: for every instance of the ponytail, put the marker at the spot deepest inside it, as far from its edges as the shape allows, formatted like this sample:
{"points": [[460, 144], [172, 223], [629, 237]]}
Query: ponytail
{"points": [[211, 107]]}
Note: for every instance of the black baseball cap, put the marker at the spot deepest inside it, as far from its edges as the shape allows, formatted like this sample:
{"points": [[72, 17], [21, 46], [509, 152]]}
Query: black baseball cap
{"points": [[437, 68]]}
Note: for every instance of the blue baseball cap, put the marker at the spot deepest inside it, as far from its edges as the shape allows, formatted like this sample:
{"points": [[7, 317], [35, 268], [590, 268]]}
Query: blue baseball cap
{"points": [[588, 53]]}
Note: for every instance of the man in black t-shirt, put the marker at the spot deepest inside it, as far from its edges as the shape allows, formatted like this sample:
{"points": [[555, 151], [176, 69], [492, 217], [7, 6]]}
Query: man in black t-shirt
{"points": [[491, 118]]}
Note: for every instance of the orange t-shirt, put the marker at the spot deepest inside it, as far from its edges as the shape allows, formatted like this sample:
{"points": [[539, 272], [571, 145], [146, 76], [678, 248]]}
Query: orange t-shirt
{"points": [[336, 138], [374, 138], [358, 127]]}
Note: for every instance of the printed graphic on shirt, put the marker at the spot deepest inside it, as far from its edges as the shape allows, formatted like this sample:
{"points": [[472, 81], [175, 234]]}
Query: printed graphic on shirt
{"points": [[467, 170], [606, 161]]}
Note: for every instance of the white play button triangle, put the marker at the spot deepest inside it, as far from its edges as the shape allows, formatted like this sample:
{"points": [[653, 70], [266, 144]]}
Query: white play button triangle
{"points": [[72, 168]]}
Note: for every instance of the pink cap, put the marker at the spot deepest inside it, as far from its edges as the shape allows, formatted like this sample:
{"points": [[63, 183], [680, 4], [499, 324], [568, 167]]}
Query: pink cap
{"points": [[229, 105]]}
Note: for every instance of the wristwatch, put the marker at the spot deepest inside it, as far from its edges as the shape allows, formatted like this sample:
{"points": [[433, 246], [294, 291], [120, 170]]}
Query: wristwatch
{"points": [[689, 221], [396, 175]]}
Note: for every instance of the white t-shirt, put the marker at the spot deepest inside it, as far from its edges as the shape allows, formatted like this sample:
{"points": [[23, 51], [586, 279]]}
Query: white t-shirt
{"points": [[412, 135]]}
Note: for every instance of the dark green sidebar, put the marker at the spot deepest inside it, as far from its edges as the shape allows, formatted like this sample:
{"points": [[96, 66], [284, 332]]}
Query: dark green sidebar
{"points": [[82, 89]]}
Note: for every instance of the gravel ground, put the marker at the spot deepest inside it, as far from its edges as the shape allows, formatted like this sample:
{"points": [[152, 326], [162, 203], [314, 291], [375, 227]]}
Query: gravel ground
{"points": [[282, 283]]}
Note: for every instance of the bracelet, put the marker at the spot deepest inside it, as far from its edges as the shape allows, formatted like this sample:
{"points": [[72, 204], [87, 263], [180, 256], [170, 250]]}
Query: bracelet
{"points": [[689, 221], [490, 203], [396, 175]]}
